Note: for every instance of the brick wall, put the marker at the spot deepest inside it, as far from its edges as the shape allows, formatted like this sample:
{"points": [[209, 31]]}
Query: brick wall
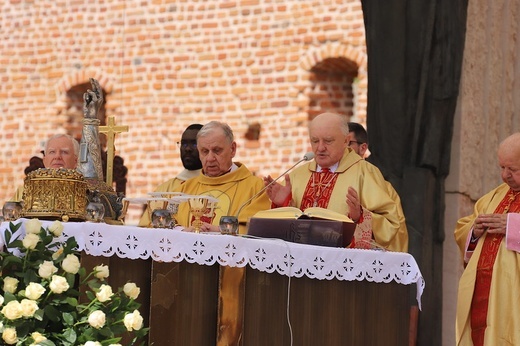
{"points": [[167, 64]]}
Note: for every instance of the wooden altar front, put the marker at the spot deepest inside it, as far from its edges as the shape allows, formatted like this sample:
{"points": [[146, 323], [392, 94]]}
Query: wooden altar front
{"points": [[213, 305]]}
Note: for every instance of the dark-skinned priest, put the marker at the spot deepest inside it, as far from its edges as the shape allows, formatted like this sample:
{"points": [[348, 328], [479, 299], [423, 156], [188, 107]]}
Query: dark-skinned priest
{"points": [[190, 162]]}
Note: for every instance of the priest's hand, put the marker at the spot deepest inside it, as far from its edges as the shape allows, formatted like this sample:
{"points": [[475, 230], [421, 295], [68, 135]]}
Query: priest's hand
{"points": [[278, 193], [491, 223], [354, 205], [207, 227]]}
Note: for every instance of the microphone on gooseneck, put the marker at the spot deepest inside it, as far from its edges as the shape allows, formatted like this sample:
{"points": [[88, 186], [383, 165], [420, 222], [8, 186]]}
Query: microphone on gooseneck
{"points": [[307, 157]]}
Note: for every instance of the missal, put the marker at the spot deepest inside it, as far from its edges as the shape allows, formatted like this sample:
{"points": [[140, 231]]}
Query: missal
{"points": [[314, 226], [309, 213]]}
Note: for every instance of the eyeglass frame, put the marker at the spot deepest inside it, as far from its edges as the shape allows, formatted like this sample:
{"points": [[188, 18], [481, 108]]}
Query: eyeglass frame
{"points": [[358, 143]]}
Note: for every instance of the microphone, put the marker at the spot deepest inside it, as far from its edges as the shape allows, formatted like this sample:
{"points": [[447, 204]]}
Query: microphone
{"points": [[307, 157]]}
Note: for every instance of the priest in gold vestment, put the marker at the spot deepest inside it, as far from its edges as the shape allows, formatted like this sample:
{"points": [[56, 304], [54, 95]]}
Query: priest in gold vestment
{"points": [[488, 307], [230, 182], [341, 180]]}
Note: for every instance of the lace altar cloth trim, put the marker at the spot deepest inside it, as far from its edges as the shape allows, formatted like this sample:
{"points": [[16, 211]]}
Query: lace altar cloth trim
{"points": [[266, 255]]}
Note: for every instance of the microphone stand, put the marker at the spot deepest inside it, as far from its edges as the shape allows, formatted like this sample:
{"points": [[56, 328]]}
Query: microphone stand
{"points": [[229, 222]]}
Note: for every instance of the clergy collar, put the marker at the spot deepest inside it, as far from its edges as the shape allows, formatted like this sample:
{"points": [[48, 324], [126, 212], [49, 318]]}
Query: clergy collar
{"points": [[233, 168], [332, 168]]}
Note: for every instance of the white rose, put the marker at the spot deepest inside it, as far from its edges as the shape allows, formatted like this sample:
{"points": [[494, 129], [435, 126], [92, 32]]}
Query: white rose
{"points": [[131, 290], [9, 336], [12, 310], [46, 269], [133, 321], [30, 240], [71, 264], [34, 291], [92, 343], [29, 307], [58, 284], [10, 284], [101, 272], [56, 228], [33, 226], [1, 300], [57, 253], [37, 337], [104, 293], [97, 319], [114, 345]]}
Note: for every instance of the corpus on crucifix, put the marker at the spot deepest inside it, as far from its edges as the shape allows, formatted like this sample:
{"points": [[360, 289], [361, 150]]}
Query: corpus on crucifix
{"points": [[110, 130]]}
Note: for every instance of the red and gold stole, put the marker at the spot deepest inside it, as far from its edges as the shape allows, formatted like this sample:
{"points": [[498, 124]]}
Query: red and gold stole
{"points": [[319, 189], [479, 302]]}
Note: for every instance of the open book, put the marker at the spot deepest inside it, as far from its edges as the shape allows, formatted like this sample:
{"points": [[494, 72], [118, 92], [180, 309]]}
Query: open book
{"points": [[309, 213], [316, 226]]}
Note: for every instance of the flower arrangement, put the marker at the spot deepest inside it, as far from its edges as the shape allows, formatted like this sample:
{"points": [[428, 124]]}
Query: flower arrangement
{"points": [[41, 303]]}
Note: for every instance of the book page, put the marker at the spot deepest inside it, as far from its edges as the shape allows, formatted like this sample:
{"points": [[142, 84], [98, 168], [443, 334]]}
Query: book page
{"points": [[295, 213], [327, 214], [280, 213]]}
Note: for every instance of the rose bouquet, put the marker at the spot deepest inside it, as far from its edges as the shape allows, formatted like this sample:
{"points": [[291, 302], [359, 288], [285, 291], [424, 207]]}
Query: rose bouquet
{"points": [[42, 303]]}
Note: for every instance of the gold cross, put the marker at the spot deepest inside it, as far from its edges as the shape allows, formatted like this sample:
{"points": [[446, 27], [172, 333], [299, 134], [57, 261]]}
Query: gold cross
{"points": [[110, 130]]}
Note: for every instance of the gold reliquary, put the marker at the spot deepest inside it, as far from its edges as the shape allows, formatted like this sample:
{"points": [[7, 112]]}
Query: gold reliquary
{"points": [[55, 194]]}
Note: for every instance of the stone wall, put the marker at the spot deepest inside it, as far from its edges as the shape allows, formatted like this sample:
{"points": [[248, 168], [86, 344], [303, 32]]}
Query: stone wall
{"points": [[167, 64]]}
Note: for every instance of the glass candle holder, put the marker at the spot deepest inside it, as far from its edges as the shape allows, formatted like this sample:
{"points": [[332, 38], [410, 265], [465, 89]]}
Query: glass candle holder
{"points": [[162, 218], [228, 225], [12, 210], [95, 212]]}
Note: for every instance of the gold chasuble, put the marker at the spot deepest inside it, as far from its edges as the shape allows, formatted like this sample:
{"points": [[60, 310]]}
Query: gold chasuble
{"points": [[380, 219], [490, 284], [232, 190]]}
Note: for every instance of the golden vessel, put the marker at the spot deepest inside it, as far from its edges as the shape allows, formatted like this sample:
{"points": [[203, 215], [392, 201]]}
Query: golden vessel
{"points": [[55, 194]]}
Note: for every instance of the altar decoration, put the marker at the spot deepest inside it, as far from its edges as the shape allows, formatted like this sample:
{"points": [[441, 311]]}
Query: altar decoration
{"points": [[51, 193], [266, 255], [42, 304], [198, 206]]}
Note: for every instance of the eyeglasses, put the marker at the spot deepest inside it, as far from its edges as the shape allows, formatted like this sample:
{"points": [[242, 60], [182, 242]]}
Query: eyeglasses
{"points": [[185, 145], [358, 143]]}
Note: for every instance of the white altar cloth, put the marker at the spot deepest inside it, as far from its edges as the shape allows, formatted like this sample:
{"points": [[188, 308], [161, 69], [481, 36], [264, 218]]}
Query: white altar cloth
{"points": [[267, 255]]}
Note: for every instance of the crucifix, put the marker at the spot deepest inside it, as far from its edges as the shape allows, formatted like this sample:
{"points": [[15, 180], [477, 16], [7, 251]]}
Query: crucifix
{"points": [[110, 130]]}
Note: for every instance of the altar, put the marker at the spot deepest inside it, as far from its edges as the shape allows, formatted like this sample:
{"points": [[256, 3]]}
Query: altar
{"points": [[212, 289]]}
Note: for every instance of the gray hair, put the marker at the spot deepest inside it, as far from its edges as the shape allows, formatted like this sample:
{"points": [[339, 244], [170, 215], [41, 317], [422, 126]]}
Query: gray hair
{"points": [[212, 125], [75, 143]]}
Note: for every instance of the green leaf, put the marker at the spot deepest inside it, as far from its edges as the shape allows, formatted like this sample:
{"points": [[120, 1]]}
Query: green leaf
{"points": [[110, 341], [30, 276], [70, 336], [52, 313], [68, 319], [7, 236], [8, 297], [38, 315], [72, 301]]}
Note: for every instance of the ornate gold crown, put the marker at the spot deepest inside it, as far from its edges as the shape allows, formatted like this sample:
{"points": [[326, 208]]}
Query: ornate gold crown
{"points": [[55, 194]]}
